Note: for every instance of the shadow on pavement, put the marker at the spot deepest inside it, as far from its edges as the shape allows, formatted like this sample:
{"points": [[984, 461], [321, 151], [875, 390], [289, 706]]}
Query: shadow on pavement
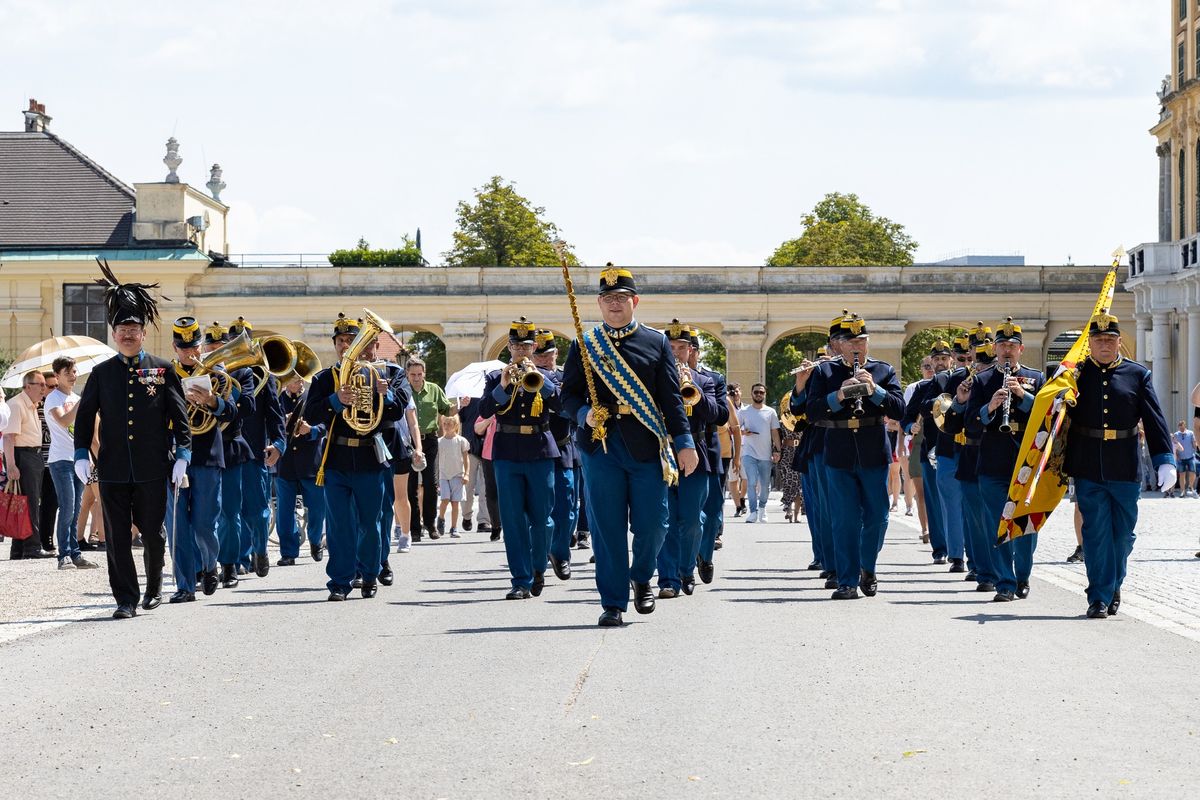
{"points": [[984, 618], [532, 628], [438, 603]]}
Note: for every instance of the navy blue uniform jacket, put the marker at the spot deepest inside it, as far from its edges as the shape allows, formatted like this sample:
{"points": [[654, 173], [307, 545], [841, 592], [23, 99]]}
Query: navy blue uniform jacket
{"points": [[562, 428], [507, 446], [264, 424], [208, 449], [323, 411], [142, 419], [237, 450], [703, 414], [712, 441], [867, 446], [303, 453], [1121, 396], [998, 450]]}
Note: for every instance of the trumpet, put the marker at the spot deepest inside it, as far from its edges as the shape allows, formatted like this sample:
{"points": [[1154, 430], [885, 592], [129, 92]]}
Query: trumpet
{"points": [[526, 375], [688, 390]]}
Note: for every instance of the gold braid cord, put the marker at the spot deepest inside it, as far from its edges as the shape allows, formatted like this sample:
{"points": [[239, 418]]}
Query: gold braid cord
{"points": [[599, 412]]}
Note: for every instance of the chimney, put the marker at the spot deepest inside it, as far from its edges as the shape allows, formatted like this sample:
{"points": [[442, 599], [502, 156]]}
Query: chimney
{"points": [[36, 119]]}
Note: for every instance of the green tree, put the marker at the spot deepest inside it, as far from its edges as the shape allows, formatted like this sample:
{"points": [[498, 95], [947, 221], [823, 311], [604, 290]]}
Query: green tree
{"points": [[917, 347], [841, 231], [503, 229], [432, 351], [712, 353], [784, 356]]}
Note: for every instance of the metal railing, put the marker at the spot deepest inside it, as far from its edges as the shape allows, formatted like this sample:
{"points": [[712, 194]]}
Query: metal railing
{"points": [[258, 260]]}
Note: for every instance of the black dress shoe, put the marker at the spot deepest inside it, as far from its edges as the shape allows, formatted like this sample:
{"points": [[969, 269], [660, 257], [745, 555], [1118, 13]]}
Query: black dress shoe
{"points": [[262, 565], [369, 588], [971, 575], [957, 565], [831, 582], [495, 537], [718, 544], [84, 544], [1022, 589], [38, 554], [592, 560], [357, 582], [416, 535], [705, 568], [611, 618], [1115, 605], [483, 528], [209, 582], [125, 612], [517, 593], [317, 551], [229, 577], [939, 560], [335, 597], [868, 583], [643, 598], [985, 587], [845, 593], [689, 584], [151, 601], [386, 576], [562, 569], [467, 524], [539, 583], [1004, 597], [826, 574], [813, 566], [182, 597], [1077, 556], [1097, 611], [286, 562], [240, 569]]}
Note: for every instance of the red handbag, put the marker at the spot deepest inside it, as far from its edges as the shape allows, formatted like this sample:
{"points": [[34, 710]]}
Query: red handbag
{"points": [[14, 512]]}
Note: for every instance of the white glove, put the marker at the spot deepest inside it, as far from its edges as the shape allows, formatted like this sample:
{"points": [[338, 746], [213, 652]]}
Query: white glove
{"points": [[179, 471], [82, 468], [1167, 475]]}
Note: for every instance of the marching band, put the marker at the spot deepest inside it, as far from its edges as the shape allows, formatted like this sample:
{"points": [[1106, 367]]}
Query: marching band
{"points": [[623, 443]]}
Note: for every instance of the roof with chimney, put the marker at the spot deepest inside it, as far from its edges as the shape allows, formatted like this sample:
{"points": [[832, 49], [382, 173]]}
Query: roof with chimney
{"points": [[53, 196]]}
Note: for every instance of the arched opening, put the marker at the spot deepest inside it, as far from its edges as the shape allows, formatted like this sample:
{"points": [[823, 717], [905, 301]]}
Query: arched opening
{"points": [[712, 352], [784, 355], [917, 347], [423, 343]]}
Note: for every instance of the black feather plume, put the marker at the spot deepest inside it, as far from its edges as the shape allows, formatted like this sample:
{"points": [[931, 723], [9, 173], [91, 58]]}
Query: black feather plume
{"points": [[124, 300]]}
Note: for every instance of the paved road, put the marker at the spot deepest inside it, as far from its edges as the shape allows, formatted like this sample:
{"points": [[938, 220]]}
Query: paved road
{"points": [[756, 686]]}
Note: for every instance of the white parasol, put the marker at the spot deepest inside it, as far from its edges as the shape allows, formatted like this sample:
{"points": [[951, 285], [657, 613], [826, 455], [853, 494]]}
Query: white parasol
{"points": [[86, 351], [469, 381]]}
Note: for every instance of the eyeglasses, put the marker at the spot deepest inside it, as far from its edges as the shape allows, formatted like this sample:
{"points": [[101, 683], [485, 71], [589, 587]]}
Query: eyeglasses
{"points": [[758, 393], [616, 298]]}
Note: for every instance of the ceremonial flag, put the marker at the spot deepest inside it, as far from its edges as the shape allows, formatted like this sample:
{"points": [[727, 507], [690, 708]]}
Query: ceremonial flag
{"points": [[1038, 482]]}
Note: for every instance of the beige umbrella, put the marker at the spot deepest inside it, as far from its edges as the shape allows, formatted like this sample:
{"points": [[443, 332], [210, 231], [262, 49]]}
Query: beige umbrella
{"points": [[86, 351]]}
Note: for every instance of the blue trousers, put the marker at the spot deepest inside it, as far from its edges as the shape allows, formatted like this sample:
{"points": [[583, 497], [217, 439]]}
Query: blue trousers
{"points": [[685, 524], [933, 509], [821, 521], [256, 509], [355, 502], [950, 499], [1013, 561], [388, 517], [714, 513], [758, 481], [286, 493], [859, 519], [525, 491], [69, 491], [192, 521], [1110, 514], [229, 529], [624, 495], [978, 520], [566, 510], [811, 513]]}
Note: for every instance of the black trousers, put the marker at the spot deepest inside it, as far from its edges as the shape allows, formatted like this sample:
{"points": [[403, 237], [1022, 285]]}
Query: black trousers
{"points": [[29, 461], [48, 511], [126, 505], [426, 510], [493, 497]]}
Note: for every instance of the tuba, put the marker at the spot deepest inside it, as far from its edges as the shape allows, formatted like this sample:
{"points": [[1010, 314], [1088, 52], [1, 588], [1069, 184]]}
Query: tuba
{"points": [[688, 390], [279, 357], [305, 366]]}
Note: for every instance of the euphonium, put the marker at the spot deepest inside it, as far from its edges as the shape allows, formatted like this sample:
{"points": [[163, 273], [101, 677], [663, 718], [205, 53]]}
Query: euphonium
{"points": [[366, 412], [526, 375], [306, 364], [279, 357], [687, 390]]}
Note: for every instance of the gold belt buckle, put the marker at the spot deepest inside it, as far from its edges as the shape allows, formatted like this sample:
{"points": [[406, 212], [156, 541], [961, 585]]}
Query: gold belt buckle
{"points": [[1110, 435], [853, 424], [526, 429], [624, 409]]}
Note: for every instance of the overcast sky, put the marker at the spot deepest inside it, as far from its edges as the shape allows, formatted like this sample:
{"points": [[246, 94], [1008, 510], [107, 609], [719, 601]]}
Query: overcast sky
{"points": [[652, 131]]}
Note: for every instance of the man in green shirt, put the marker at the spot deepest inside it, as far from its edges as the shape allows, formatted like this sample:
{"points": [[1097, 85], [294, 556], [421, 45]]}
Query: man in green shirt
{"points": [[432, 405]]}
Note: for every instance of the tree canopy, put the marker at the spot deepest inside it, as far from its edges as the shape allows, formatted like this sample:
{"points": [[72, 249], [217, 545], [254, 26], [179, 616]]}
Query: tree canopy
{"points": [[841, 231], [502, 229], [917, 348]]}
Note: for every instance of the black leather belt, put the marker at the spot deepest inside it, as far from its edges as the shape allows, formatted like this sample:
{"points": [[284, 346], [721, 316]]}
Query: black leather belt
{"points": [[620, 410], [973, 442], [345, 441], [1107, 434], [524, 429], [852, 424]]}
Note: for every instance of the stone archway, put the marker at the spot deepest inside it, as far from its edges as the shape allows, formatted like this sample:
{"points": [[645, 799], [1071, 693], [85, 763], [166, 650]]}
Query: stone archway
{"points": [[786, 353], [425, 343]]}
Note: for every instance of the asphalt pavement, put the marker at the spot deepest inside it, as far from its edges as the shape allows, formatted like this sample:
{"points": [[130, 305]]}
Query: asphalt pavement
{"points": [[756, 686]]}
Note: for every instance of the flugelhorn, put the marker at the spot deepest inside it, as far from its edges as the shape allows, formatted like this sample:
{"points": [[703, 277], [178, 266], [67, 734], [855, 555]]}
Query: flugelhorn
{"points": [[526, 375], [688, 390]]}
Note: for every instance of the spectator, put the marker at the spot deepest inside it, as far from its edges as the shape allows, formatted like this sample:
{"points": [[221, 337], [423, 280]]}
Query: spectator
{"points": [[48, 505], [468, 413], [736, 479], [1185, 456], [761, 446], [23, 456], [452, 460], [431, 406], [60, 408]]}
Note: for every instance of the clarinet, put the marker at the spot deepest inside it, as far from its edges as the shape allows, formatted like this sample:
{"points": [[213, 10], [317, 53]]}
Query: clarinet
{"points": [[1005, 425], [857, 410]]}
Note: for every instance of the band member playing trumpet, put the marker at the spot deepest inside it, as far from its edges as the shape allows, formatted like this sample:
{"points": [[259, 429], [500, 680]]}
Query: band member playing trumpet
{"points": [[997, 412], [805, 463], [566, 466], [522, 398], [193, 511], [349, 404], [857, 451]]}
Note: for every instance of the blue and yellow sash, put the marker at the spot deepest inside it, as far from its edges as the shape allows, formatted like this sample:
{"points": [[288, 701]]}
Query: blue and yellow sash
{"points": [[629, 390]]}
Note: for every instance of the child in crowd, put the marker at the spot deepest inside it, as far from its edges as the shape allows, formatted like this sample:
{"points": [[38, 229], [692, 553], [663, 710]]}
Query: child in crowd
{"points": [[452, 472]]}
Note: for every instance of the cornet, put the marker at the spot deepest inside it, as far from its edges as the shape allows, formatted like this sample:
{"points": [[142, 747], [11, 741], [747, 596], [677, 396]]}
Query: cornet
{"points": [[526, 375]]}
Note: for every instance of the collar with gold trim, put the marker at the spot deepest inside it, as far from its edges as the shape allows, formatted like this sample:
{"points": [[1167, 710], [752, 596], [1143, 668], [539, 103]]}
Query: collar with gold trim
{"points": [[1109, 366], [620, 333]]}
